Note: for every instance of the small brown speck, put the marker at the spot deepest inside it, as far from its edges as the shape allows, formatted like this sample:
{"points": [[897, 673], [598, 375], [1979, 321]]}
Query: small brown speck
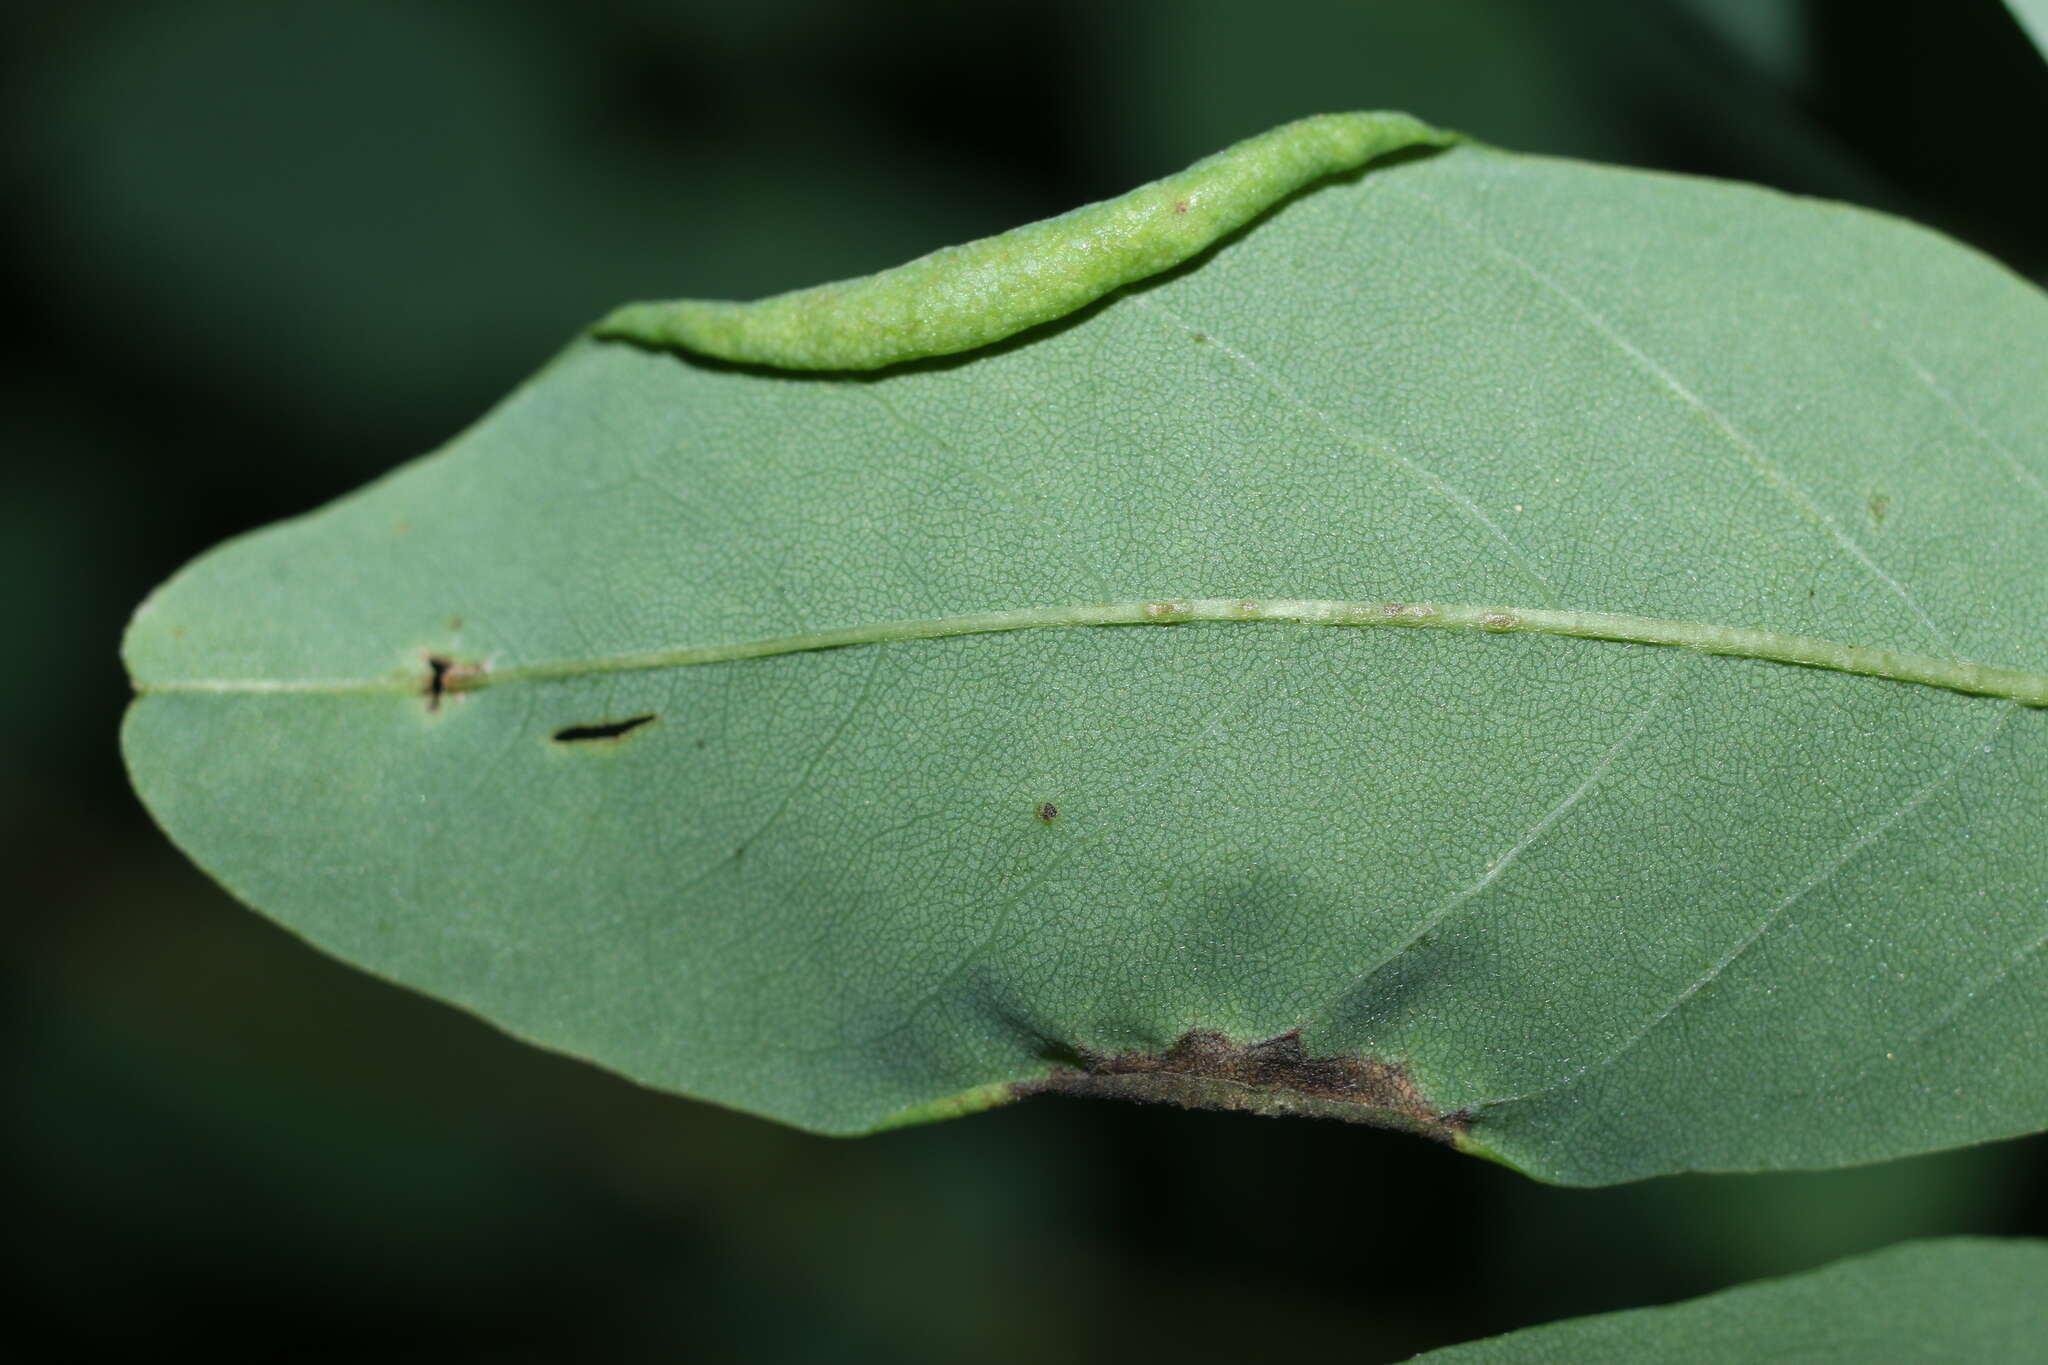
{"points": [[446, 675], [1048, 812], [1180, 206]]}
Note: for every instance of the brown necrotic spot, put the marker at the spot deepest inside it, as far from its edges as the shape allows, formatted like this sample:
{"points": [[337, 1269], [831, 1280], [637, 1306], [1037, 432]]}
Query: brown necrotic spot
{"points": [[601, 730], [445, 675], [1048, 812], [1204, 1069]]}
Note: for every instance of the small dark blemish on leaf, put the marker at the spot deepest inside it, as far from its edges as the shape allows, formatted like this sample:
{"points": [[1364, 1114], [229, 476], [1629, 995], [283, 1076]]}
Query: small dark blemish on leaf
{"points": [[445, 675], [1880, 503], [609, 729], [437, 679], [1499, 620], [1048, 812], [1180, 206], [1203, 1069]]}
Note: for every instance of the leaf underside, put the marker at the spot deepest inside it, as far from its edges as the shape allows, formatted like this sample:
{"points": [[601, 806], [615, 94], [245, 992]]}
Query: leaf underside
{"points": [[1961, 1300], [1599, 910]]}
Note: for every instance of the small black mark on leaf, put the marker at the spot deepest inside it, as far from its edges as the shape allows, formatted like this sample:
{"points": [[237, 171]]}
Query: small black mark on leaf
{"points": [[445, 675], [609, 729], [1205, 1070], [437, 680], [1048, 812]]}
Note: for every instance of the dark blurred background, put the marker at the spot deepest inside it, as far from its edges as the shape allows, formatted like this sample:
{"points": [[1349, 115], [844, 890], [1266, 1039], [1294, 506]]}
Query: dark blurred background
{"points": [[265, 251]]}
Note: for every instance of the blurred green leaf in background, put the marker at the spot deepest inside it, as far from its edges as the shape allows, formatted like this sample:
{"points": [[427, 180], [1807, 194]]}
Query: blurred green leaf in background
{"points": [[1959, 1300], [264, 252]]}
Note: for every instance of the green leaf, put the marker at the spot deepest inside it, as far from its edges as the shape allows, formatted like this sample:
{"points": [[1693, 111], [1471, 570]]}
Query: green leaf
{"points": [[1223, 694], [1962, 1299], [2033, 17]]}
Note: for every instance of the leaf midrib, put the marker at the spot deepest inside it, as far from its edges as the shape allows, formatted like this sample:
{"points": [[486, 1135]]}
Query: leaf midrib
{"points": [[2027, 688]]}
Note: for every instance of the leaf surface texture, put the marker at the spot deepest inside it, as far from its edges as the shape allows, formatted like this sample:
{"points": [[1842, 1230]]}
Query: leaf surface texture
{"points": [[1620, 909]]}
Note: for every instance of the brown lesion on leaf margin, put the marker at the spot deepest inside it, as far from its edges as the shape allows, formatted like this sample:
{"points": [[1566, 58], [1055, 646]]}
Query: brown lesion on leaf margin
{"points": [[1203, 1069]]}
